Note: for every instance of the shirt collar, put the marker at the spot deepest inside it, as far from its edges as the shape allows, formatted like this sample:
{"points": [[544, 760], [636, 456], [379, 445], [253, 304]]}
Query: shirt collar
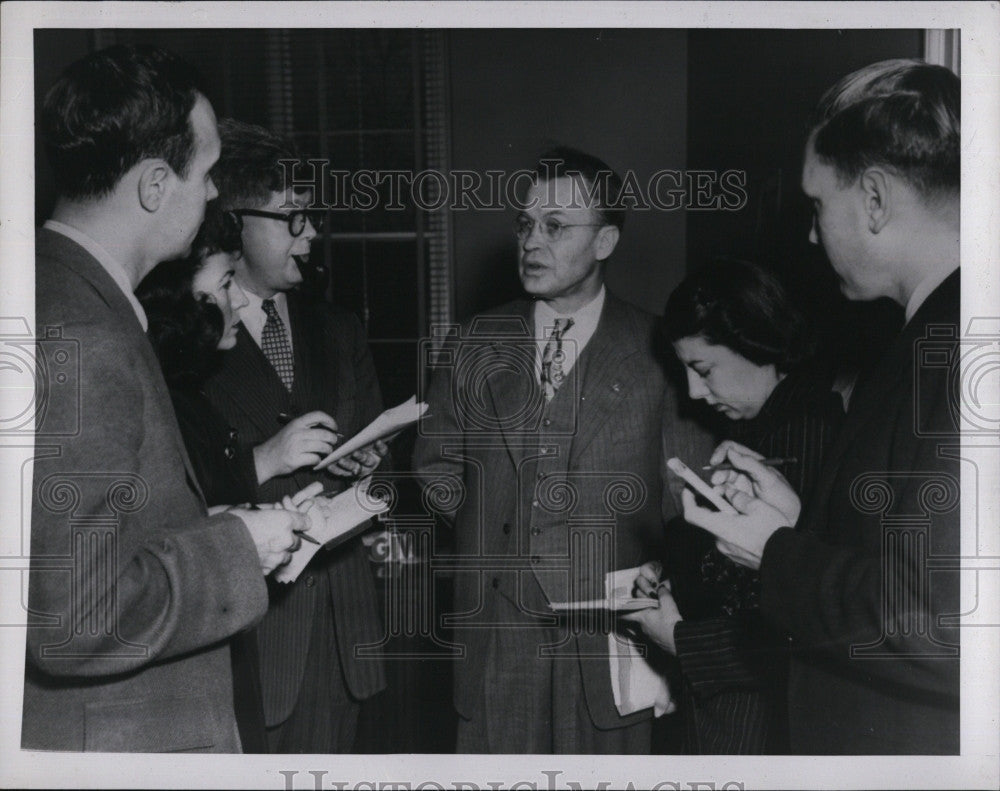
{"points": [[584, 319], [108, 262], [253, 317], [923, 290]]}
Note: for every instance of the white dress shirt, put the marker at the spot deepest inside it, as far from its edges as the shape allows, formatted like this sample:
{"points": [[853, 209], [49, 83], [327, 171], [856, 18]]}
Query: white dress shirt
{"points": [[253, 316], [575, 339], [108, 262]]}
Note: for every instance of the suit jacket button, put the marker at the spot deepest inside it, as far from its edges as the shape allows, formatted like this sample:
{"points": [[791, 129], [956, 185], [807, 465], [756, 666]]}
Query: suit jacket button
{"points": [[310, 580], [547, 422], [506, 528], [229, 452]]}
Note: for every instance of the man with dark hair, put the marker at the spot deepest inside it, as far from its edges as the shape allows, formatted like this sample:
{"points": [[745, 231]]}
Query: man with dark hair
{"points": [[874, 633], [548, 411], [133, 589], [297, 357]]}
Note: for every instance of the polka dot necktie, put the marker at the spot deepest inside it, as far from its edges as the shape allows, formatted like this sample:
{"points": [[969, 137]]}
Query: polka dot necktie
{"points": [[274, 344], [553, 358]]}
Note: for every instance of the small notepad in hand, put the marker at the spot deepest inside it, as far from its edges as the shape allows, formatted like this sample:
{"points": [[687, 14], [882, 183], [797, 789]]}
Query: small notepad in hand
{"points": [[384, 427], [620, 604], [348, 514]]}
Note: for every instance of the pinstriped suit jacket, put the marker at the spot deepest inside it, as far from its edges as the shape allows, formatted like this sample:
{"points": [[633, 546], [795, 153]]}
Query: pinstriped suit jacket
{"points": [[334, 372], [128, 650], [627, 417]]}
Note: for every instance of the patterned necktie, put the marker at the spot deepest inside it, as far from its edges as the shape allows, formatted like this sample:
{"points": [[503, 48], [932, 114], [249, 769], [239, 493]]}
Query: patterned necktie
{"points": [[274, 344], [553, 358]]}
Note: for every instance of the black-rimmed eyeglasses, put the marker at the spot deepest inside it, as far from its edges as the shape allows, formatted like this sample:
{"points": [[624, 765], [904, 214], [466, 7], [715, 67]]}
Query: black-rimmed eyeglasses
{"points": [[296, 219]]}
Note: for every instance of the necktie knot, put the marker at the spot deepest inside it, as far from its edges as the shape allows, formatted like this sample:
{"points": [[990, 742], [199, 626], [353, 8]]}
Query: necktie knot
{"points": [[270, 309]]}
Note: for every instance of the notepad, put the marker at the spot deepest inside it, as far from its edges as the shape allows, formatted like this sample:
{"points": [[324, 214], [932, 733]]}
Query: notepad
{"points": [[350, 512], [384, 427]]}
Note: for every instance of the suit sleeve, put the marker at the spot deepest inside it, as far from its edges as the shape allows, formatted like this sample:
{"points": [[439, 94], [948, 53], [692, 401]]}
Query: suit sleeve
{"points": [[832, 598], [433, 464], [122, 573]]}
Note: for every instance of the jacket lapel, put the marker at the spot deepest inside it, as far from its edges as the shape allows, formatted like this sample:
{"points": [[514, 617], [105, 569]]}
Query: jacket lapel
{"points": [[316, 358], [74, 257], [516, 397], [608, 376], [880, 388], [244, 365]]}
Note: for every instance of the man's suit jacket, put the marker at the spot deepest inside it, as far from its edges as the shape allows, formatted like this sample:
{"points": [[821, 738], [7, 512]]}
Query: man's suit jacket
{"points": [[334, 372], [611, 478], [133, 589], [873, 669]]}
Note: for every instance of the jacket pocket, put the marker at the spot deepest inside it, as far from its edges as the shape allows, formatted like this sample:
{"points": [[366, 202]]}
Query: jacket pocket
{"points": [[151, 725]]}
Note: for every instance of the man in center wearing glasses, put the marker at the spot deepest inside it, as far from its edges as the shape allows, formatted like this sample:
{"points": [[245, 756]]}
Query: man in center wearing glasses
{"points": [[301, 364], [554, 415]]}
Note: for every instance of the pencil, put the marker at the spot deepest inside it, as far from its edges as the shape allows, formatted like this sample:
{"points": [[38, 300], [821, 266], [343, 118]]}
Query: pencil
{"points": [[776, 461]]}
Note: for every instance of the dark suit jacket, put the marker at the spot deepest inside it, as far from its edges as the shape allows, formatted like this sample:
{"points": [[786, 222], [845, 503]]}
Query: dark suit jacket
{"points": [[334, 372], [133, 590], [873, 670], [626, 418]]}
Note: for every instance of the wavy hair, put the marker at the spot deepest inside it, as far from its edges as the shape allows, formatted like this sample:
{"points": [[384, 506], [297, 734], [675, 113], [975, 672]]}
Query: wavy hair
{"points": [[744, 307], [184, 329]]}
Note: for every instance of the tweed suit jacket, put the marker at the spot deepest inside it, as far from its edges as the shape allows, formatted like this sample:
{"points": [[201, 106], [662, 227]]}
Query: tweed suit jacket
{"points": [[625, 420], [133, 589], [868, 585], [334, 372]]}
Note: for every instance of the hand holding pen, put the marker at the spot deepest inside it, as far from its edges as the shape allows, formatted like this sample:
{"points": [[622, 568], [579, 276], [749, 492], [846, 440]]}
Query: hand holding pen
{"points": [[302, 442], [657, 623]]}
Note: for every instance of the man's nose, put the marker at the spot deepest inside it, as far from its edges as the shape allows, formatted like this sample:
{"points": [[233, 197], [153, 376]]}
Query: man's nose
{"points": [[534, 238]]}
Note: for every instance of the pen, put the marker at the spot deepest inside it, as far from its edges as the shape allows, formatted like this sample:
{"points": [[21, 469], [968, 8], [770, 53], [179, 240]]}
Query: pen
{"points": [[776, 461]]}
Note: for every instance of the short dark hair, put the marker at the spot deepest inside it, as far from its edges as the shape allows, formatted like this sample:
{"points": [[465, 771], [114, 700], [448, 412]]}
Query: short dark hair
{"points": [[902, 114], [249, 168], [114, 108], [605, 183], [183, 329], [742, 306]]}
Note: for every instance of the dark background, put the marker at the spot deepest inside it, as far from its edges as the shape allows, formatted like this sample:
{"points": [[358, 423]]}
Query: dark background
{"points": [[642, 100]]}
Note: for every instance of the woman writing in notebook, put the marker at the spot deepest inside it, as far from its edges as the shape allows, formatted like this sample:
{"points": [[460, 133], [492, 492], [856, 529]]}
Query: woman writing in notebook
{"points": [[747, 354]]}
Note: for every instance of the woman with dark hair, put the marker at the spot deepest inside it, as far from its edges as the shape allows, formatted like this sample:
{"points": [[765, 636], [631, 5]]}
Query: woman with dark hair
{"points": [[747, 354], [191, 304]]}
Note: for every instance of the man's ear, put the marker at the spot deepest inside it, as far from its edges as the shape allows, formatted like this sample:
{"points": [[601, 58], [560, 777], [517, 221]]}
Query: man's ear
{"points": [[876, 187], [606, 241], [154, 181]]}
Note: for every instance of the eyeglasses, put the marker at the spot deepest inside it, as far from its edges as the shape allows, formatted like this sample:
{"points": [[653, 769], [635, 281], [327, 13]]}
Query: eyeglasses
{"points": [[552, 230], [296, 219]]}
